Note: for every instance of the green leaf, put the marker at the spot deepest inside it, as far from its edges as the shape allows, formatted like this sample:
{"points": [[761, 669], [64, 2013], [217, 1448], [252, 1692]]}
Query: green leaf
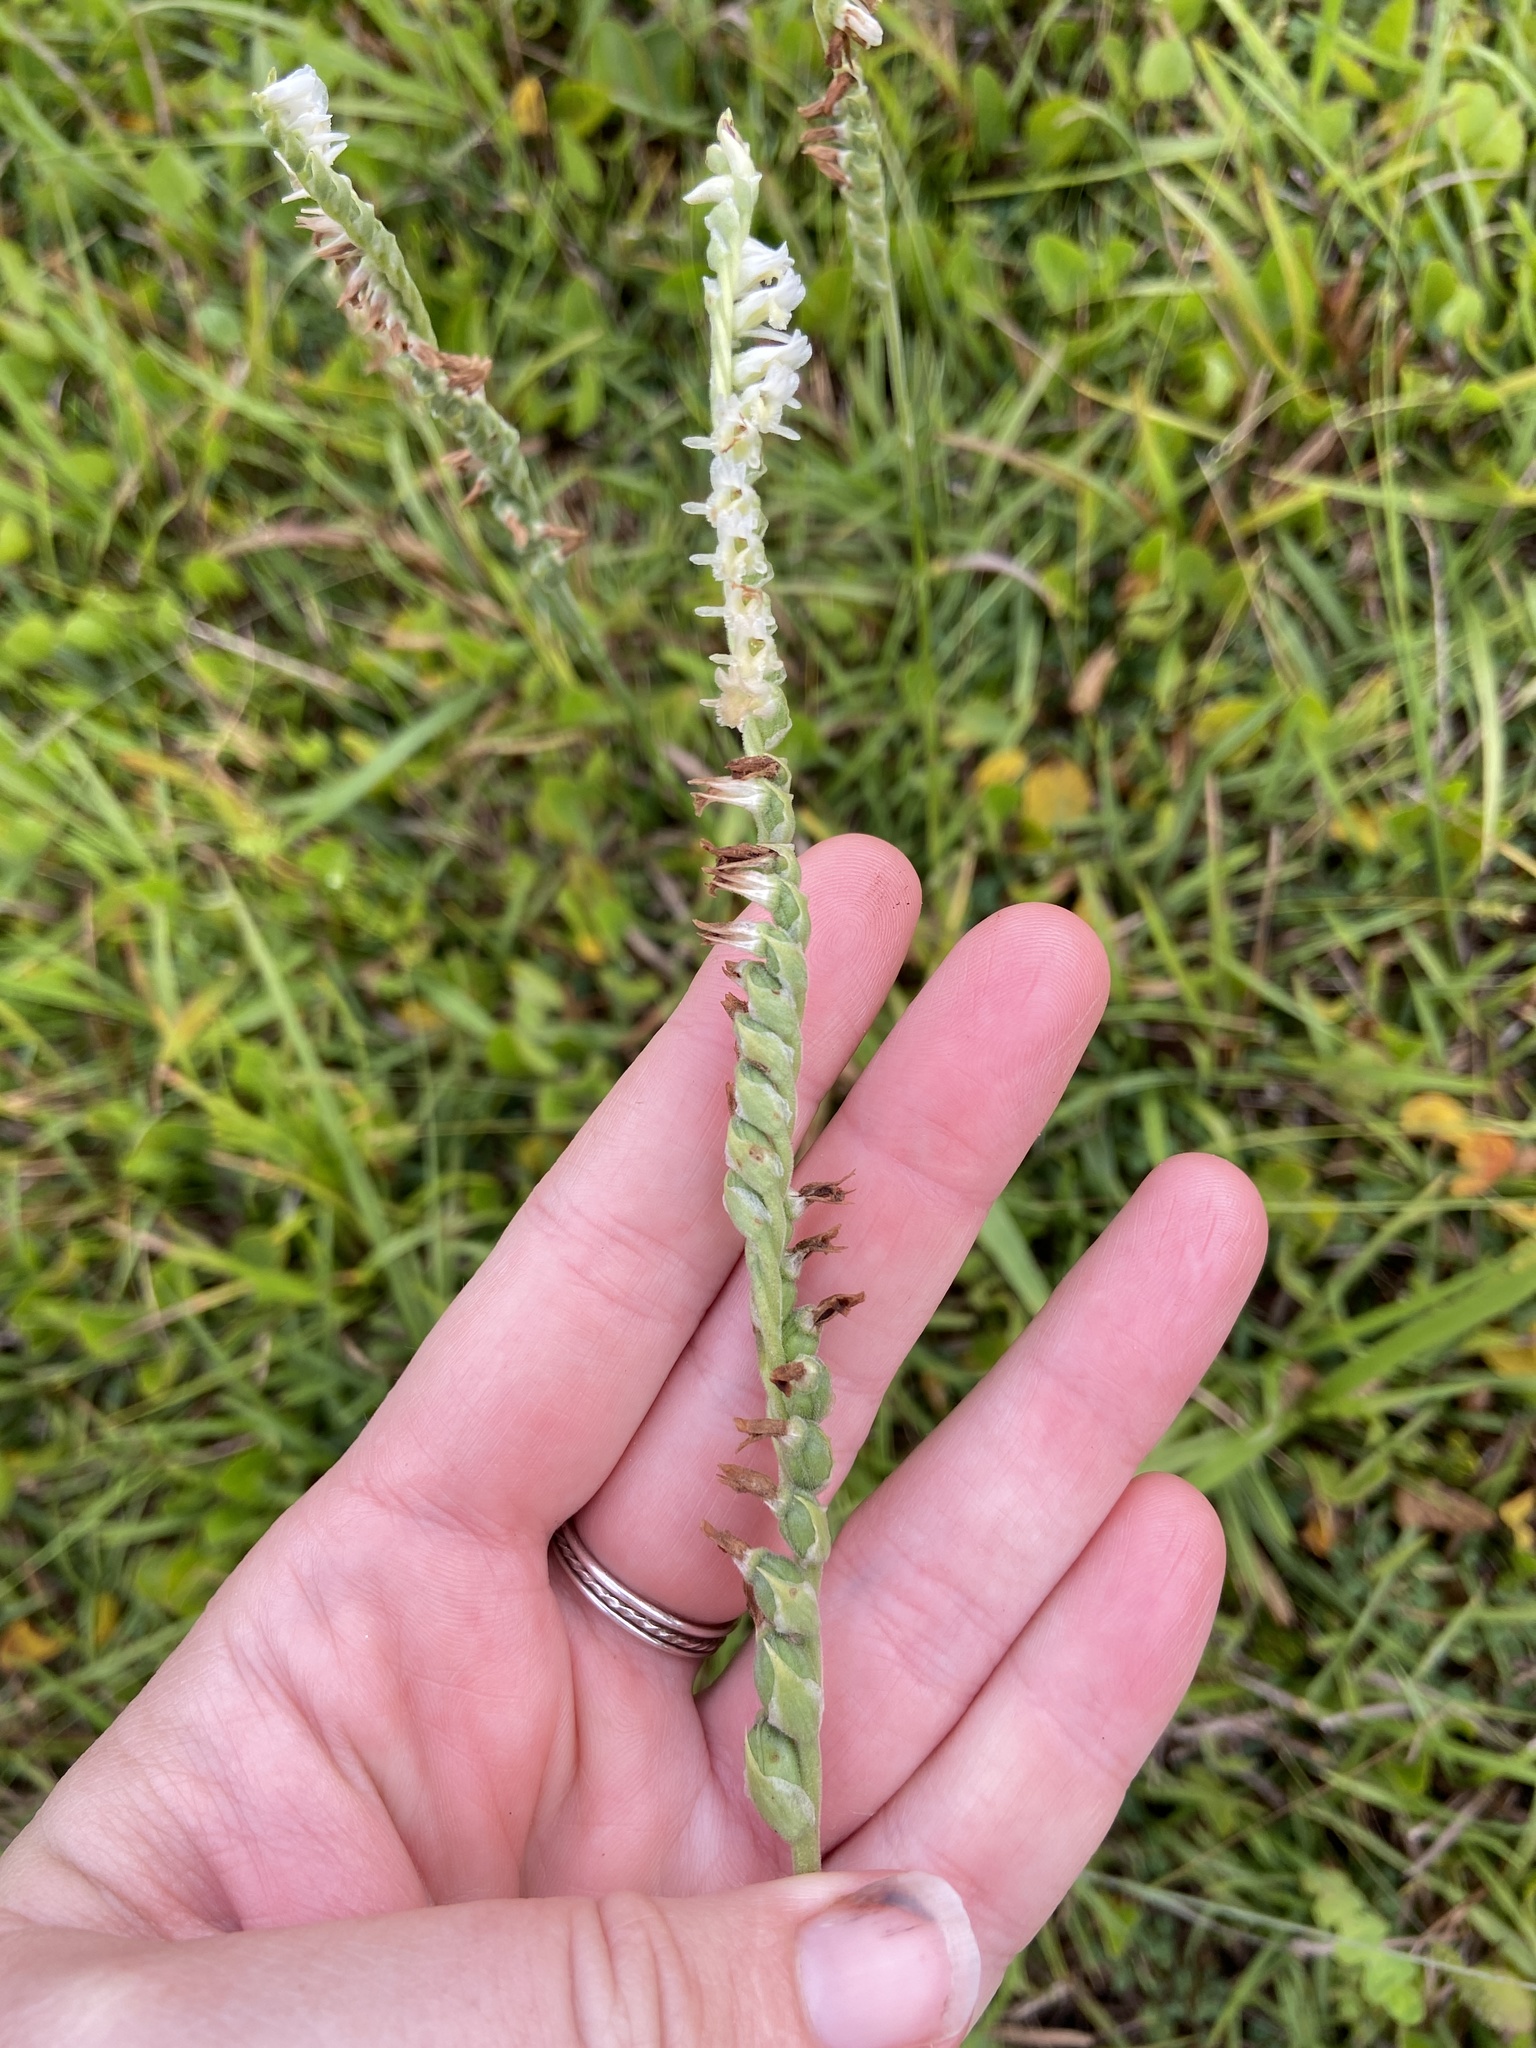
{"points": [[1390, 1981], [647, 75], [1489, 135], [30, 641], [1058, 132], [1333, 123], [1115, 261], [210, 577], [1166, 70], [1065, 272], [1007, 1247], [989, 114], [1496, 1290], [1503, 2003], [578, 106], [15, 540], [172, 183], [1436, 285], [1392, 30], [88, 470], [618, 64], [579, 168], [332, 800]]}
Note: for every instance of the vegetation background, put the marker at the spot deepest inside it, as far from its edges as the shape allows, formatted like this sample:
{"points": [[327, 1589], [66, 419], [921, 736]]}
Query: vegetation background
{"points": [[338, 888]]}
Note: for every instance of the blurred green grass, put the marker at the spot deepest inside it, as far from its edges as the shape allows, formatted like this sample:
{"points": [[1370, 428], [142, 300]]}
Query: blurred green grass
{"points": [[338, 888]]}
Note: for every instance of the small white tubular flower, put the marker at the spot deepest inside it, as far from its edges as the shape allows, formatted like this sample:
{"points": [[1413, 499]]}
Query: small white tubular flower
{"points": [[739, 933], [751, 299], [301, 107], [709, 192], [736, 157], [746, 794], [331, 239], [758, 262], [769, 286], [773, 364], [857, 21]]}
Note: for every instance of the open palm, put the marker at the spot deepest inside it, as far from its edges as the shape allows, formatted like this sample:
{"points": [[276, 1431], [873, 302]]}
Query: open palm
{"points": [[399, 1702]]}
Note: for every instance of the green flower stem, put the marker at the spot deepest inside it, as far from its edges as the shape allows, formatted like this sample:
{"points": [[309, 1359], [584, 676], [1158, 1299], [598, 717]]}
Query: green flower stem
{"points": [[755, 359]]}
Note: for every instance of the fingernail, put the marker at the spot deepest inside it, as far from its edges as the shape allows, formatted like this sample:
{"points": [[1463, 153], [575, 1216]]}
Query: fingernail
{"points": [[892, 1966]]}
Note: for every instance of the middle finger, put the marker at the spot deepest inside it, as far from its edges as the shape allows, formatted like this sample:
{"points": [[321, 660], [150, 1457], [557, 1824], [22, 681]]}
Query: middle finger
{"points": [[932, 1132]]}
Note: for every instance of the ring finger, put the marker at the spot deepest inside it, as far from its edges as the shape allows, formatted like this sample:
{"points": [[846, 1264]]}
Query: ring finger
{"points": [[1015, 1801], [937, 1573]]}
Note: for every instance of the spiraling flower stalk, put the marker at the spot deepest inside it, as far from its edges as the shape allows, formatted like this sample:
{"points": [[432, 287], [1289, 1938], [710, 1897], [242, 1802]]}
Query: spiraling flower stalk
{"points": [[847, 148], [379, 297], [755, 360]]}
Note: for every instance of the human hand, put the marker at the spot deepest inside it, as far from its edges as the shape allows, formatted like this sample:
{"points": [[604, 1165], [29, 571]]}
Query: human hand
{"points": [[415, 1788]]}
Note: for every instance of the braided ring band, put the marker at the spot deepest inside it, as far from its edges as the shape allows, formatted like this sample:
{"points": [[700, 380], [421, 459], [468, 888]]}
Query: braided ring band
{"points": [[643, 1618]]}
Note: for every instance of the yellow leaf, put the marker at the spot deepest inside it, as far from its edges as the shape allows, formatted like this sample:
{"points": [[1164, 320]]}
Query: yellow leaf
{"points": [[1056, 793], [529, 115], [1515, 1514], [1358, 827], [1320, 1530], [1213, 722], [998, 770], [1510, 1353], [1484, 1157], [1089, 905], [182, 1031], [1433, 1116], [418, 1018], [21, 1644], [106, 1613]]}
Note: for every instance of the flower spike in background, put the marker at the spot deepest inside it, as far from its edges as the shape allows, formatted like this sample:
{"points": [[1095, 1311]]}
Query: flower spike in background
{"points": [[846, 148], [379, 297], [755, 360]]}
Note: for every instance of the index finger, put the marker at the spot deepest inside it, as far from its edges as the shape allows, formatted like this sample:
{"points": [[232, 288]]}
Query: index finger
{"points": [[526, 1392]]}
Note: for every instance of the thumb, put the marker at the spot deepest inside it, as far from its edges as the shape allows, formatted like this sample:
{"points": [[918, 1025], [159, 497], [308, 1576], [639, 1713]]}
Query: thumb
{"points": [[832, 1961], [815, 1962]]}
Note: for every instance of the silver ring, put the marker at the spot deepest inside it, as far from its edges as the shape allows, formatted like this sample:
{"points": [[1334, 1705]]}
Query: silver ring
{"points": [[643, 1618]]}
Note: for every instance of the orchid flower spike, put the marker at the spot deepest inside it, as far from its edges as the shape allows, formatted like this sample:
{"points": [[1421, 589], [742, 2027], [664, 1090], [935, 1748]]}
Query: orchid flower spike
{"points": [[381, 300], [755, 359]]}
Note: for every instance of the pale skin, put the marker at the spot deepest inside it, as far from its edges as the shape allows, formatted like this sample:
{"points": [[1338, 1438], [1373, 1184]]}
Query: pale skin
{"points": [[399, 1755]]}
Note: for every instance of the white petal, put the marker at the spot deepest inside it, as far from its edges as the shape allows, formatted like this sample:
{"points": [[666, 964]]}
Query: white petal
{"points": [[301, 104], [859, 23]]}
